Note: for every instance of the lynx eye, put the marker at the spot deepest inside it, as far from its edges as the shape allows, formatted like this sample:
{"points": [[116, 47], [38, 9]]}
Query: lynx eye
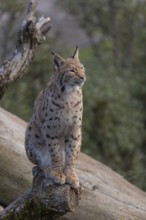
{"points": [[72, 70], [82, 67]]}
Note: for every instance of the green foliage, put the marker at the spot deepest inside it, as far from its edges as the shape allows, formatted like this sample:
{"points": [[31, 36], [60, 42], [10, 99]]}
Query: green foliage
{"points": [[114, 95], [10, 16], [115, 28], [113, 125], [14, 7]]}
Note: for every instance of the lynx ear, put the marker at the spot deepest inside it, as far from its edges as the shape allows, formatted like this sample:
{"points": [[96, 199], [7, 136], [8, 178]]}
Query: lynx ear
{"points": [[76, 54], [58, 61]]}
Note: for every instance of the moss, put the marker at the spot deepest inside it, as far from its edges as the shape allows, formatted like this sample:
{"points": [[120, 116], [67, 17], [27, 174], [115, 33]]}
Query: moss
{"points": [[33, 212]]}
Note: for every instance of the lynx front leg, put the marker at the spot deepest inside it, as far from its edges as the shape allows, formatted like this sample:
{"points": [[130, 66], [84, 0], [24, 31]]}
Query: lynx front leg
{"points": [[72, 149], [55, 171]]}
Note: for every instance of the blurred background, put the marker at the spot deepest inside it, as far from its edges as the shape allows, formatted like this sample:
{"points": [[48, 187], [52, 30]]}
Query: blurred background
{"points": [[111, 35]]}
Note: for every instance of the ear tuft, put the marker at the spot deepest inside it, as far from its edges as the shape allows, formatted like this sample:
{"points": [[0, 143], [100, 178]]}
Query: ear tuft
{"points": [[76, 54]]}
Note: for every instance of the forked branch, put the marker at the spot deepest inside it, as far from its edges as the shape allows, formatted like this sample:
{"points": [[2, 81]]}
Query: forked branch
{"points": [[31, 34]]}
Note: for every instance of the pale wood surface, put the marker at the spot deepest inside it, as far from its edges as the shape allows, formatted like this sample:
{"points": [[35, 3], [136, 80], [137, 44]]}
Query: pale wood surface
{"points": [[105, 194], [15, 168]]}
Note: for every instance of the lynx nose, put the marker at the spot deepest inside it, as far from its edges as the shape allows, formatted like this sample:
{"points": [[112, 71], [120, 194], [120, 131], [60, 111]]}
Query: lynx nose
{"points": [[83, 78]]}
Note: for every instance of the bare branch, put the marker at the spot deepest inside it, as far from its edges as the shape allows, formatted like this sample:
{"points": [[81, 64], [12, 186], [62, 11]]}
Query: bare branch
{"points": [[30, 35]]}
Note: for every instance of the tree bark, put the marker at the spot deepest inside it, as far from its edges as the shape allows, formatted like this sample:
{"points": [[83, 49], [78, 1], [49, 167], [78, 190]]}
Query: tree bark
{"points": [[105, 194]]}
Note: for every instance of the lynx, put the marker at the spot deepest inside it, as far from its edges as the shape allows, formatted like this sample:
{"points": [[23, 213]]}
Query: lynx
{"points": [[53, 135]]}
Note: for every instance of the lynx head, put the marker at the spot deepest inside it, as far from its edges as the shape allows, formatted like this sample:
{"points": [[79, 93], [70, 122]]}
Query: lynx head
{"points": [[70, 72]]}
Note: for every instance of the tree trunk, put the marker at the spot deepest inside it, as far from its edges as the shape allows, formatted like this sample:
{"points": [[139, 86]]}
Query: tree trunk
{"points": [[105, 194]]}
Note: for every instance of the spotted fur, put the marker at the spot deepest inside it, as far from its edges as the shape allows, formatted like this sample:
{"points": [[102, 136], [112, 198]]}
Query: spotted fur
{"points": [[53, 135]]}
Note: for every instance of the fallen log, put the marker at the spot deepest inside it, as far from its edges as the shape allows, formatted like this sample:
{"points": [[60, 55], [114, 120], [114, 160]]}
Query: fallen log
{"points": [[105, 194]]}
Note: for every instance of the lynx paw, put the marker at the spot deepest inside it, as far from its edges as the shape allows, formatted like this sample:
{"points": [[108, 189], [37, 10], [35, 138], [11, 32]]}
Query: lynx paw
{"points": [[72, 180], [55, 175], [58, 177]]}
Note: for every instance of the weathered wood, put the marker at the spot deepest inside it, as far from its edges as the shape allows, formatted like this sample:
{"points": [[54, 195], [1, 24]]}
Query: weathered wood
{"points": [[45, 200], [31, 34], [15, 168], [15, 171], [105, 194]]}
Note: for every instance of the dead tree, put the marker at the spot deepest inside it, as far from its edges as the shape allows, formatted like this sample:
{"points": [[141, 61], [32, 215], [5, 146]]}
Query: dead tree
{"points": [[105, 194], [30, 35]]}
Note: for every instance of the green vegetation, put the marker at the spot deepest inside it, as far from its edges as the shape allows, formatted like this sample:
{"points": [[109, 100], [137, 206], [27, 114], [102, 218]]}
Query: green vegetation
{"points": [[114, 123]]}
